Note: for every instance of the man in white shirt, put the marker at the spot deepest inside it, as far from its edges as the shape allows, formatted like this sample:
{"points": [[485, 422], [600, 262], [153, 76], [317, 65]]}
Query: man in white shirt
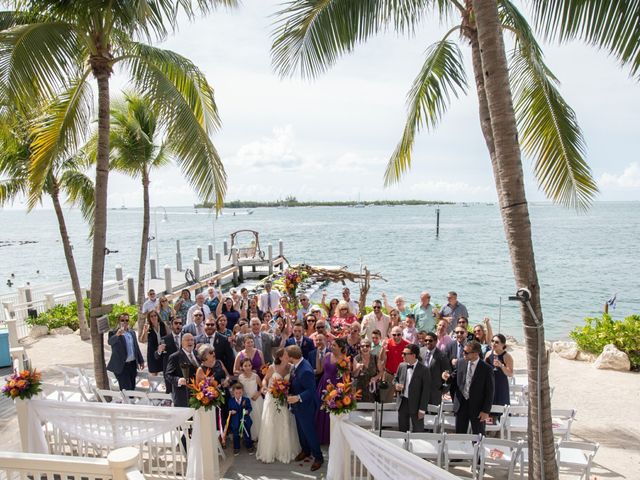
{"points": [[151, 303], [346, 296], [412, 386], [376, 320], [199, 306], [269, 299]]}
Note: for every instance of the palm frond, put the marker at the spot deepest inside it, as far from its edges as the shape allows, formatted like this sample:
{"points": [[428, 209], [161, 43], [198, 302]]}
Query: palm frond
{"points": [[442, 77], [185, 104], [310, 35], [612, 25], [37, 57], [80, 192], [10, 189], [59, 132], [547, 125]]}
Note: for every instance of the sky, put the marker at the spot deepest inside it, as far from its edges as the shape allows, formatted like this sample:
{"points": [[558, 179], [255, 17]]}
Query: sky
{"points": [[330, 138]]}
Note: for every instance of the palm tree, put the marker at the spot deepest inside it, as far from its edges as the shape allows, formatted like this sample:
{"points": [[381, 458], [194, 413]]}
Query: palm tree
{"points": [[47, 45], [66, 176], [310, 36]]}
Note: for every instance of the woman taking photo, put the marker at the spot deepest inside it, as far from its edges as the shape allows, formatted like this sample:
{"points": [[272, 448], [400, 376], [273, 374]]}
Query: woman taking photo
{"points": [[153, 331], [482, 333]]}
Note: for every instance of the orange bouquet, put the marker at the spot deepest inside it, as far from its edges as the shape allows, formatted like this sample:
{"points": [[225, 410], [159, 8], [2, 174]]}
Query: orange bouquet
{"points": [[205, 394], [23, 385], [279, 390], [340, 398]]}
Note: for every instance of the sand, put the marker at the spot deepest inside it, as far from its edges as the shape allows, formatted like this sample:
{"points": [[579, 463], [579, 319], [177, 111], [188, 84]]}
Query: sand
{"points": [[607, 402]]}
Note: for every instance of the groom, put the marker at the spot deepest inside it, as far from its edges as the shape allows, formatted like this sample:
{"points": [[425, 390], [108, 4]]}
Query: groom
{"points": [[304, 404]]}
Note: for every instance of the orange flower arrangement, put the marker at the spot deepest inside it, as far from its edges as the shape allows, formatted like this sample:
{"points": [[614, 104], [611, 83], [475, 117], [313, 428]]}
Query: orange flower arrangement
{"points": [[279, 389], [340, 398], [205, 394], [23, 385], [344, 367]]}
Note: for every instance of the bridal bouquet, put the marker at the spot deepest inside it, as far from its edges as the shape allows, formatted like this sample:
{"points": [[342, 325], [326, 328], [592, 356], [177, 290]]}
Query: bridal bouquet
{"points": [[22, 385], [340, 398], [344, 367], [205, 394], [279, 390]]}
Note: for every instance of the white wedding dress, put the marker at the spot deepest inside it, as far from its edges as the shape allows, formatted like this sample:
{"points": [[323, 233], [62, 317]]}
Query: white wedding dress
{"points": [[278, 433]]}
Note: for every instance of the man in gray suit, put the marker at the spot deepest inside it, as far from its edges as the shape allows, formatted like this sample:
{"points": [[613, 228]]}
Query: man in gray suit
{"points": [[411, 384], [436, 362], [264, 341]]}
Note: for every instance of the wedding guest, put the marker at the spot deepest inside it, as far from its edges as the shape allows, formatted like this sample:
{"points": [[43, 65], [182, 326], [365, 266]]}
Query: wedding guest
{"points": [[410, 332], [269, 299], [365, 371], [153, 331], [228, 309], [331, 307], [181, 368], [200, 306], [166, 311], [376, 343], [464, 323], [253, 390], [213, 298], [375, 320], [210, 366], [343, 318], [183, 304], [316, 356], [330, 373], [221, 324], [304, 309], [353, 340], [411, 384], [284, 309], [151, 304], [251, 353], [321, 329], [452, 311], [442, 333], [240, 411], [353, 305], [425, 318], [264, 341], [502, 363], [483, 333], [391, 358], [219, 342], [436, 362], [252, 309], [400, 306], [297, 338], [309, 324], [394, 320], [125, 354]]}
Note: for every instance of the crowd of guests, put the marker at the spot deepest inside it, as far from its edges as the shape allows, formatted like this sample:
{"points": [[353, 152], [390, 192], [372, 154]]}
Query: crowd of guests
{"points": [[414, 356]]}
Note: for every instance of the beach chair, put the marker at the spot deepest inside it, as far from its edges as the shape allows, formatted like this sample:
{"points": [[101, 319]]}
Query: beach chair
{"points": [[497, 420], [429, 446], [399, 439], [561, 420], [461, 447], [575, 458], [500, 454], [447, 420], [432, 418], [517, 420]]}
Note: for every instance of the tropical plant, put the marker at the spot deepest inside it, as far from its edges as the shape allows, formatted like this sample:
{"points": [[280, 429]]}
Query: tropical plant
{"points": [[65, 177], [310, 36], [49, 45]]}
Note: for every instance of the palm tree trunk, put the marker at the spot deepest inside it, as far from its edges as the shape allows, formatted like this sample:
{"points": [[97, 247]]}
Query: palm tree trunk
{"points": [[515, 218], [144, 247], [71, 264], [101, 71]]}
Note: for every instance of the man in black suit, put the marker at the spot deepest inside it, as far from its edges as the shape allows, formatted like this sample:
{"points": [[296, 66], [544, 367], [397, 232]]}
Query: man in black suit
{"points": [[181, 369], [169, 345], [474, 392], [436, 363], [125, 354], [455, 349], [219, 342], [305, 343], [316, 356], [411, 384]]}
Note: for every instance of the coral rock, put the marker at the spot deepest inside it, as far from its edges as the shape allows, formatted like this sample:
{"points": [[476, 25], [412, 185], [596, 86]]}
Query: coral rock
{"points": [[613, 359]]}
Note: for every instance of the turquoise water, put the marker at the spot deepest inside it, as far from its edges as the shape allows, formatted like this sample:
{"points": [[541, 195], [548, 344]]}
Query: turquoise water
{"points": [[582, 259]]}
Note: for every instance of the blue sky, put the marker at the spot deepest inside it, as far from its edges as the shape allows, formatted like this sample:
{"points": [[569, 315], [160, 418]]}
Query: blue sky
{"points": [[330, 138]]}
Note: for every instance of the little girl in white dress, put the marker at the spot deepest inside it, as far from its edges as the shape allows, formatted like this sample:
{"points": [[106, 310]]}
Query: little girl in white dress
{"points": [[278, 428], [252, 389]]}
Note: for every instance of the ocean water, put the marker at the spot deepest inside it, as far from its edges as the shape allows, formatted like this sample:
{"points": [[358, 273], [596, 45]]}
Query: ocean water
{"points": [[582, 259]]}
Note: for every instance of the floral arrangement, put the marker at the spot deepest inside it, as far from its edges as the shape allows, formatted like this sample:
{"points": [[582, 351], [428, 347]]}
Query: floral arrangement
{"points": [[205, 394], [279, 389], [340, 398], [292, 279], [22, 385], [344, 367], [264, 369]]}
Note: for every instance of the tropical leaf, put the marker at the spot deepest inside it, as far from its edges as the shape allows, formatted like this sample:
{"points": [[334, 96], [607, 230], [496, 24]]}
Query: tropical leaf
{"points": [[442, 77], [612, 25], [10, 189], [80, 192], [310, 35], [547, 125]]}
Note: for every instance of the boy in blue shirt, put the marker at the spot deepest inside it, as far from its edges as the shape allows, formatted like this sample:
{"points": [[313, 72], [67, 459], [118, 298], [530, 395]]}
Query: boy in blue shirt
{"points": [[239, 409]]}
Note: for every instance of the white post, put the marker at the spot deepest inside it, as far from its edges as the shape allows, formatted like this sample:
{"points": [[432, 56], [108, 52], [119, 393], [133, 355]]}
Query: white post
{"points": [[234, 261], [178, 256], [119, 275], [153, 268], [22, 411], [270, 257], [196, 268], [49, 300], [281, 253], [167, 279], [210, 247], [12, 326], [131, 291], [218, 262], [123, 461], [199, 253], [209, 443]]}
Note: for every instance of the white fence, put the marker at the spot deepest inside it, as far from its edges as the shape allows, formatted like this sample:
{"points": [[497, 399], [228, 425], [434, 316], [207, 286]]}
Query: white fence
{"points": [[121, 464]]}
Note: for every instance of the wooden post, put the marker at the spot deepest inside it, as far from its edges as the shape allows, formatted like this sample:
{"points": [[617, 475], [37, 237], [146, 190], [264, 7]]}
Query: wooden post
{"points": [[225, 248], [119, 275], [123, 461], [437, 221], [196, 267], [270, 257], [153, 268], [131, 290], [199, 253], [178, 256], [27, 295], [168, 288], [210, 248]]}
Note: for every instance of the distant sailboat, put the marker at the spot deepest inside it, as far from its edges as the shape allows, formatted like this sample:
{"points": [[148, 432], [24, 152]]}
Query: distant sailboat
{"points": [[359, 204], [123, 206]]}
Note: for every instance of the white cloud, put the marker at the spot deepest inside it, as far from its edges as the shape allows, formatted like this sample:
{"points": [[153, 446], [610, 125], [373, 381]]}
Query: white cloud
{"points": [[273, 153], [629, 178]]}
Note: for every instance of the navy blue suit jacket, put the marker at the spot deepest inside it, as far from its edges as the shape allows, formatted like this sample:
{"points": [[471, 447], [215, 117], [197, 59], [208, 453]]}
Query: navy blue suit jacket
{"points": [[303, 383], [306, 345]]}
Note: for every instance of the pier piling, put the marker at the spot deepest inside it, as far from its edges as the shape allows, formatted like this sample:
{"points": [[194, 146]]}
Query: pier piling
{"points": [[131, 290], [167, 279], [270, 257], [437, 221], [153, 268], [119, 275], [225, 248], [210, 248], [196, 267], [199, 254]]}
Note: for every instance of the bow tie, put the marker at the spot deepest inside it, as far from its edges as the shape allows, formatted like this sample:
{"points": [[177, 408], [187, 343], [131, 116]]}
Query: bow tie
{"points": [[410, 367]]}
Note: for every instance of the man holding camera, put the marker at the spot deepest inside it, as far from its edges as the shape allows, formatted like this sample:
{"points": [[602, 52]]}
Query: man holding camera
{"points": [[125, 354]]}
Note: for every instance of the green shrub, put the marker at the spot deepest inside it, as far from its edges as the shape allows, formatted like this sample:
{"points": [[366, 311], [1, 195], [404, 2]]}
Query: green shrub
{"points": [[121, 307], [598, 332], [66, 315]]}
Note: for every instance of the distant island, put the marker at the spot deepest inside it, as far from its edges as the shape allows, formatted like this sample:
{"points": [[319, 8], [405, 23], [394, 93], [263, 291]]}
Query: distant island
{"points": [[293, 202]]}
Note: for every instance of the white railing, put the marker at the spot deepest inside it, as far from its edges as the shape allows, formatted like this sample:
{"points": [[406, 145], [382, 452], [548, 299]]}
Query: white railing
{"points": [[356, 453], [121, 464]]}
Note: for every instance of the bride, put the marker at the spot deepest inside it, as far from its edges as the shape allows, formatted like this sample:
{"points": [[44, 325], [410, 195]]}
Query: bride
{"points": [[278, 434]]}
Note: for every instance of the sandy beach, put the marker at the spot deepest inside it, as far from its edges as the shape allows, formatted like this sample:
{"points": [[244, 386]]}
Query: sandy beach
{"points": [[607, 402]]}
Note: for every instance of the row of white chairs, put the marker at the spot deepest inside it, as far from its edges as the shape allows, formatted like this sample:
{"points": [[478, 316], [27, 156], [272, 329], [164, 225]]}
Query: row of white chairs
{"points": [[482, 453], [75, 393], [507, 420]]}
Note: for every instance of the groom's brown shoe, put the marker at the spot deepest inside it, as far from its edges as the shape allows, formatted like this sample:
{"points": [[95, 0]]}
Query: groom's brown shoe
{"points": [[301, 456], [316, 465]]}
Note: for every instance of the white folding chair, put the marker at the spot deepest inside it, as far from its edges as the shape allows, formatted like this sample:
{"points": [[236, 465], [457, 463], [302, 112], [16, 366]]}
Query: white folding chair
{"points": [[429, 446], [160, 399], [399, 439], [432, 418], [561, 420], [389, 416], [134, 397], [156, 383], [497, 419], [461, 447], [142, 381], [517, 420], [109, 396], [63, 393], [113, 381], [501, 454], [518, 395], [447, 417], [576, 457]]}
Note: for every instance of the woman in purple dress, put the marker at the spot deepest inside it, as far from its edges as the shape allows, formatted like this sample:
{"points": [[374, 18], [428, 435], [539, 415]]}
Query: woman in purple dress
{"points": [[329, 374], [252, 353]]}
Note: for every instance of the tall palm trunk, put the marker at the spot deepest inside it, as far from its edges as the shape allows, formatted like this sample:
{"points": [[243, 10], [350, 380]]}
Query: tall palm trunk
{"points": [[71, 263], [144, 247], [515, 218], [102, 71]]}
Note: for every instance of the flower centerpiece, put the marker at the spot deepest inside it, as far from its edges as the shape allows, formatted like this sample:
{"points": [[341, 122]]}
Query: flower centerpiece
{"points": [[205, 394], [340, 398], [279, 390], [22, 385], [291, 280]]}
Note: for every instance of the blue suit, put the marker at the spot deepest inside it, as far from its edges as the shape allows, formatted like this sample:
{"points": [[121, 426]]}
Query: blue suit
{"points": [[244, 404], [303, 383], [306, 345]]}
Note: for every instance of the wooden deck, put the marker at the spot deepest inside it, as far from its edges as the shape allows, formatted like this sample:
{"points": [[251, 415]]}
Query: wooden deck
{"points": [[246, 467]]}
